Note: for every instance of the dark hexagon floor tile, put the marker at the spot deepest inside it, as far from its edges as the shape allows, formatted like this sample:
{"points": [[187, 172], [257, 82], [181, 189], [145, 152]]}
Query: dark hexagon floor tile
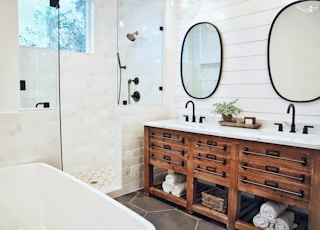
{"points": [[127, 197], [150, 204], [204, 225], [171, 219]]}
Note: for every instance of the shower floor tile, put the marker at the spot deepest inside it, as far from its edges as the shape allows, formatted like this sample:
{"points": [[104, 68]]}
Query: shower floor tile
{"points": [[102, 179]]}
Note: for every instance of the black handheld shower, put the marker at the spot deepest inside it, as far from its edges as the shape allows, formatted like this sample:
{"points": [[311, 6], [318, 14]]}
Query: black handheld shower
{"points": [[120, 66]]}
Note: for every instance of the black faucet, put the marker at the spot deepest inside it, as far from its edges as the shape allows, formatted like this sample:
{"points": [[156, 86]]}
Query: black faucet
{"points": [[293, 126], [193, 115]]}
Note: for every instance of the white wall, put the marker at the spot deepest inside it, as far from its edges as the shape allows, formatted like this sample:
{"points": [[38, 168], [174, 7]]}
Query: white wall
{"points": [[25, 135], [9, 73], [244, 26]]}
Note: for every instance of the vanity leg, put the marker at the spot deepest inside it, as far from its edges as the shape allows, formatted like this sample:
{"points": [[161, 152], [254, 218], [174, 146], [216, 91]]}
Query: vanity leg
{"points": [[148, 169], [234, 197], [314, 220]]}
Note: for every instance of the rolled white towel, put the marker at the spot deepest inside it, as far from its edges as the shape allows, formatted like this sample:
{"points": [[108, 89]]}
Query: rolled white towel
{"points": [[272, 210], [285, 222], [260, 221], [179, 189], [175, 178], [271, 227], [166, 187]]}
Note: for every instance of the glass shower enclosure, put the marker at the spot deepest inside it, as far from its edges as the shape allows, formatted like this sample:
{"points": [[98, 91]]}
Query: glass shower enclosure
{"points": [[140, 54], [38, 54]]}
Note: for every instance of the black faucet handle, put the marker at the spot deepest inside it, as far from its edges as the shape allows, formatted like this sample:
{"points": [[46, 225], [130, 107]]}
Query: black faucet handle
{"points": [[187, 117], [280, 128], [305, 128], [201, 119]]}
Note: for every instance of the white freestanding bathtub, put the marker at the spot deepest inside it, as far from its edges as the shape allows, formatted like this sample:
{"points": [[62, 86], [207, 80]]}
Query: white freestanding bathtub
{"points": [[38, 196]]}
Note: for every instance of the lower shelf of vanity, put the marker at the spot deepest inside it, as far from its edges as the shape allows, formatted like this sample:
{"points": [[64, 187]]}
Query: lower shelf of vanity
{"points": [[301, 220], [218, 216], [181, 201], [251, 206], [157, 191]]}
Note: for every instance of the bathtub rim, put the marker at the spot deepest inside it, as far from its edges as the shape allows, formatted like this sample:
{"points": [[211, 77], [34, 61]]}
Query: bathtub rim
{"points": [[86, 186]]}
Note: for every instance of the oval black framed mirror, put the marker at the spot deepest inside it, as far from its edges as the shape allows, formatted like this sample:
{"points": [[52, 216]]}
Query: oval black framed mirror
{"points": [[293, 51], [201, 60]]}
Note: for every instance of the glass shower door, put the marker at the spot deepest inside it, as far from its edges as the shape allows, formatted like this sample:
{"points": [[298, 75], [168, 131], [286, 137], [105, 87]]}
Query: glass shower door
{"points": [[140, 35], [39, 54]]}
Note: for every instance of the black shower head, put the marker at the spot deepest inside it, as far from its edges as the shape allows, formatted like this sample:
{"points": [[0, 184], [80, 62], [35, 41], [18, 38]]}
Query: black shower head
{"points": [[132, 36]]}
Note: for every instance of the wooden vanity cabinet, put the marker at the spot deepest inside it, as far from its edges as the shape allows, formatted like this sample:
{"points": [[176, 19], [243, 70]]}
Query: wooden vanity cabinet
{"points": [[281, 173], [211, 159], [277, 172], [211, 162], [167, 149]]}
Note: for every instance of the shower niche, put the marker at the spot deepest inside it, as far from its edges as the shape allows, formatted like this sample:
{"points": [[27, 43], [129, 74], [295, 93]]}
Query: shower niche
{"points": [[139, 55]]}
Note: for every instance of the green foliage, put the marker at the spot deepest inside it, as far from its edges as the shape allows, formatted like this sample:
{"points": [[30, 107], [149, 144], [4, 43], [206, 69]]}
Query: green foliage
{"points": [[64, 28], [226, 108]]}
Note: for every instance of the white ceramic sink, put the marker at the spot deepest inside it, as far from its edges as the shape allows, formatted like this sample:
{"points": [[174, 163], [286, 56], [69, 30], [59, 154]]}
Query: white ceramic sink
{"points": [[205, 128], [263, 134], [286, 136]]}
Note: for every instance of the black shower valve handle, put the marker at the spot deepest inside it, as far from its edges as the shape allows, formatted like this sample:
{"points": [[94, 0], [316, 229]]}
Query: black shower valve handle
{"points": [[135, 81]]}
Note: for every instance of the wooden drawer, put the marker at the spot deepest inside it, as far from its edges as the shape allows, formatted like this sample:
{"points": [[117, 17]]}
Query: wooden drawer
{"points": [[262, 169], [173, 158], [211, 167], [168, 149], [212, 145], [277, 156], [272, 187], [167, 136]]}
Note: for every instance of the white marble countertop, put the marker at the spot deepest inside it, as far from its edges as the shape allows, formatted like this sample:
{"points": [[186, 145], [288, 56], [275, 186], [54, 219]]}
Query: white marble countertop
{"points": [[266, 133]]}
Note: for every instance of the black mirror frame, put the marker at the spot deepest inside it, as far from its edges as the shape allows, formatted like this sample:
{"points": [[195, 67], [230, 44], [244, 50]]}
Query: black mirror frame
{"points": [[221, 58], [268, 54]]}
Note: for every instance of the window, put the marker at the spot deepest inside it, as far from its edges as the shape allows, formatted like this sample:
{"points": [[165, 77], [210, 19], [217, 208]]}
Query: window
{"points": [[67, 28]]}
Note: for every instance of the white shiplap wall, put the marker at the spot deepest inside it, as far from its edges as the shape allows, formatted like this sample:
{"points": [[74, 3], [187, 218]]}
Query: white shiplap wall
{"points": [[244, 26]]}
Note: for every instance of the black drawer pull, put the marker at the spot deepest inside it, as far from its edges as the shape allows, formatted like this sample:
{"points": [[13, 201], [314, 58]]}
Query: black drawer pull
{"points": [[274, 171], [211, 170], [210, 157], [274, 153], [273, 185], [168, 160], [167, 148], [212, 144], [167, 136], [271, 154]]}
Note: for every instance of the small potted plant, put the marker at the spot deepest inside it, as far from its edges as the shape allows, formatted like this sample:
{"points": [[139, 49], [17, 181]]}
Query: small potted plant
{"points": [[227, 109]]}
